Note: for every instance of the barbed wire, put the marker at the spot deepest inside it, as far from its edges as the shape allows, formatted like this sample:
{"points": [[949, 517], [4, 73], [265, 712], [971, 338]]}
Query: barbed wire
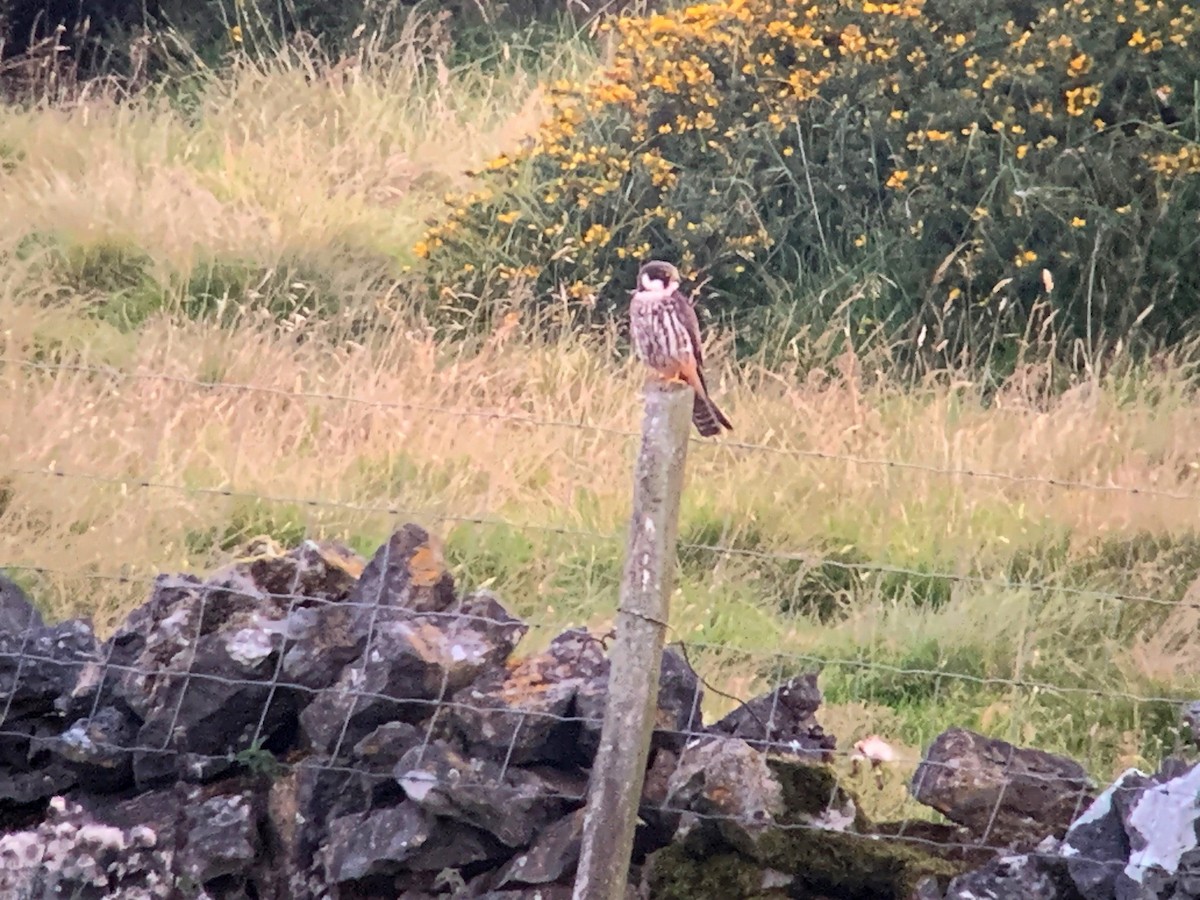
{"points": [[781, 656], [538, 421], [793, 556]]}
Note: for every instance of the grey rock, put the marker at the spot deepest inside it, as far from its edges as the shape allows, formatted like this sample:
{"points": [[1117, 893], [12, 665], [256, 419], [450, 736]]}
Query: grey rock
{"points": [[552, 857], [29, 772], [724, 787], [407, 575], [1024, 876], [510, 803], [677, 717], [270, 597], [209, 705], [376, 755], [385, 841], [380, 750], [40, 664], [1003, 793], [97, 749], [1162, 822], [782, 721], [300, 807], [222, 837], [525, 713], [480, 618], [410, 667], [1096, 846]]}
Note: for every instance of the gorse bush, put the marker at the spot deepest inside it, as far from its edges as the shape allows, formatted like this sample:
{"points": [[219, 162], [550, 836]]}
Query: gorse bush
{"points": [[974, 173]]}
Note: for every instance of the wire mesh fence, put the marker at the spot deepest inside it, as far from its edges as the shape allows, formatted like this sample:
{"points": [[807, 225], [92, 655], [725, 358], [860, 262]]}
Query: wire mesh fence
{"points": [[210, 678]]}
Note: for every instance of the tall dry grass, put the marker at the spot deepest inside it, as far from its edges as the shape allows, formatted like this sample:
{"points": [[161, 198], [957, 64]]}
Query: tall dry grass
{"points": [[521, 429], [886, 529]]}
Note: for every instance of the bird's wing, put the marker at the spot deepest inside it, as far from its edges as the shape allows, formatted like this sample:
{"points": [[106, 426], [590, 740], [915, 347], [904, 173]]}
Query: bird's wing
{"points": [[687, 315]]}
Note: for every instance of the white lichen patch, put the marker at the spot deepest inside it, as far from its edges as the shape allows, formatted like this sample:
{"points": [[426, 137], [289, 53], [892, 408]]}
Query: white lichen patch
{"points": [[1100, 808], [417, 784], [249, 646], [1165, 816], [174, 624], [80, 854]]}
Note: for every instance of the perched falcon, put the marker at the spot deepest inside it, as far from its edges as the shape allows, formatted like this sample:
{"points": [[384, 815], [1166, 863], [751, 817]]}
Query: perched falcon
{"points": [[666, 337]]}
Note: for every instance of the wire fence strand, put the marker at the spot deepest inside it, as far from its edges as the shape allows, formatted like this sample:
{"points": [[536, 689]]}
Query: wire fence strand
{"points": [[968, 472], [18, 653], [786, 555], [797, 659]]}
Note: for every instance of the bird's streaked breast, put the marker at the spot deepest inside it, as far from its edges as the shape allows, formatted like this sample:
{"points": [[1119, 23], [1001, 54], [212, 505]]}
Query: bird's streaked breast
{"points": [[660, 337]]}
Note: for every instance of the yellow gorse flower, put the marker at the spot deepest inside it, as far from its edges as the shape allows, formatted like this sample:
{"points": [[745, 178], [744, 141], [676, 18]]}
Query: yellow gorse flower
{"points": [[696, 103]]}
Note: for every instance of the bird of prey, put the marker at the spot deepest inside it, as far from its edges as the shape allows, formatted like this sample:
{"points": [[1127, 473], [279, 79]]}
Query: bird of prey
{"points": [[666, 337]]}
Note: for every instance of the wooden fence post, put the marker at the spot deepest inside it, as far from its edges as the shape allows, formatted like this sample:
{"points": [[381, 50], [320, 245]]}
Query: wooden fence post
{"points": [[620, 766]]}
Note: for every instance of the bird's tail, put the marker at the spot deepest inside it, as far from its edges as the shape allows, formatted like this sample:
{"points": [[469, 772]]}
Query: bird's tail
{"points": [[707, 418]]}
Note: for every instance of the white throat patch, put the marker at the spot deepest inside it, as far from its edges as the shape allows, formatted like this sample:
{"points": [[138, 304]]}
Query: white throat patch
{"points": [[653, 288]]}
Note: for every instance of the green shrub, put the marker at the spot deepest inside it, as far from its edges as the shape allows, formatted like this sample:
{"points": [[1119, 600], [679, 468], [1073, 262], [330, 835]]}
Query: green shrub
{"points": [[120, 285], [116, 280], [974, 173]]}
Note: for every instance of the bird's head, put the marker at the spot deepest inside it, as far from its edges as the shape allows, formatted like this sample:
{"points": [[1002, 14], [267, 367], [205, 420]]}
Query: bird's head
{"points": [[657, 275]]}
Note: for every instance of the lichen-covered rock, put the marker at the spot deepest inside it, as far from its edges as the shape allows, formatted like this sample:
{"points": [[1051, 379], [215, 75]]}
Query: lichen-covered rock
{"points": [[210, 705], [386, 841], [1003, 793], [552, 857], [96, 749], [677, 715], [369, 844], [388, 746], [1024, 876], [406, 575], [481, 620], [523, 712], [409, 669], [511, 803], [41, 663], [70, 855], [725, 786], [1140, 837], [151, 846], [782, 721], [223, 836]]}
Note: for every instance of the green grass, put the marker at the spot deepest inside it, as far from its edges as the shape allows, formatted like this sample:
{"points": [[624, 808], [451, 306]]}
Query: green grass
{"points": [[257, 235]]}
